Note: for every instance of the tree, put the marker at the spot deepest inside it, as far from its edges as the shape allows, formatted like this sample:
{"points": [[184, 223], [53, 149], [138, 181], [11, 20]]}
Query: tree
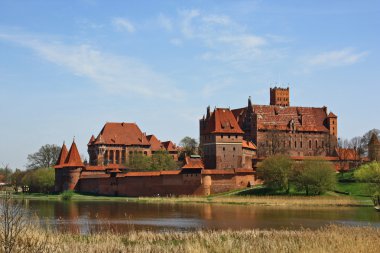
{"points": [[162, 160], [276, 172], [46, 157], [5, 174], [40, 180], [16, 178], [369, 173], [189, 147], [139, 161], [315, 177]]}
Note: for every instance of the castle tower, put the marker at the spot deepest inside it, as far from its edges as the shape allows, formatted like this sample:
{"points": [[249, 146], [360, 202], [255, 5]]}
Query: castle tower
{"points": [[280, 96], [248, 121], [332, 123], [67, 174], [221, 140], [374, 148]]}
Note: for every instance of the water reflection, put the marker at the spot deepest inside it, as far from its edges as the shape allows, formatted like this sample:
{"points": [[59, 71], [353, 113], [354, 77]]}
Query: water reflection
{"points": [[84, 217]]}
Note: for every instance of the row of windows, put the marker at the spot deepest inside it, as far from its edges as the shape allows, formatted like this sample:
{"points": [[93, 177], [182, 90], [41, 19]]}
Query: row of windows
{"points": [[300, 144]]}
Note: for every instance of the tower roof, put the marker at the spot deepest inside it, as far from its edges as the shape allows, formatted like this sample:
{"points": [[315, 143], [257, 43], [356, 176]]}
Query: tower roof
{"points": [[155, 144], [73, 157], [62, 157], [91, 140], [332, 115], [374, 139], [223, 121]]}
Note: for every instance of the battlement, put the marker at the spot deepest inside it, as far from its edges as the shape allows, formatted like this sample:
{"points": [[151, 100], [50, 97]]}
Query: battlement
{"points": [[280, 96]]}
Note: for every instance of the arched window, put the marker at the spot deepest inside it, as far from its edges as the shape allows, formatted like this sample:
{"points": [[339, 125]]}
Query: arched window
{"points": [[310, 144]]}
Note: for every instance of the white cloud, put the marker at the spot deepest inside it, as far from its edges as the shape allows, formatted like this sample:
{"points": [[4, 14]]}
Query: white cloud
{"points": [[342, 57], [165, 22], [115, 74], [176, 41], [214, 87], [123, 24]]}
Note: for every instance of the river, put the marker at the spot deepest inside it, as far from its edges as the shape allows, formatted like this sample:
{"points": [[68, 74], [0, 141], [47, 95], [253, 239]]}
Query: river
{"points": [[87, 216]]}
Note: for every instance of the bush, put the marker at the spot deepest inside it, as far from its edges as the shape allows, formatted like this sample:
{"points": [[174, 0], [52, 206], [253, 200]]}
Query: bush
{"points": [[369, 173], [40, 180], [67, 195]]}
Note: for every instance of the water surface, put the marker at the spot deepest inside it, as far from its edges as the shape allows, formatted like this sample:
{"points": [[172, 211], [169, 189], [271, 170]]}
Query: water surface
{"points": [[86, 216]]}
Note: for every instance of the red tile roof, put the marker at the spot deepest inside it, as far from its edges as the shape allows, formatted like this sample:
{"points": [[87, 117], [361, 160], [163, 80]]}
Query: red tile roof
{"points": [[222, 121], [155, 144], [193, 163], [332, 115], [347, 154], [91, 140], [249, 145], [121, 134], [73, 158], [169, 146], [62, 157], [272, 117]]}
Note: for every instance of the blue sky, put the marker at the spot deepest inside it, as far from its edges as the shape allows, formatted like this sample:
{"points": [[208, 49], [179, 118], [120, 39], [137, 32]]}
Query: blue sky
{"points": [[67, 67]]}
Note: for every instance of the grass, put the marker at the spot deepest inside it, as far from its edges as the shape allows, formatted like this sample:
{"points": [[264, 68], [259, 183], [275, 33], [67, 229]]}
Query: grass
{"points": [[328, 239]]}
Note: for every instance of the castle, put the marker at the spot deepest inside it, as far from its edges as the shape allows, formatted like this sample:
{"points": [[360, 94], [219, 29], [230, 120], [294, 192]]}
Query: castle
{"points": [[232, 143]]}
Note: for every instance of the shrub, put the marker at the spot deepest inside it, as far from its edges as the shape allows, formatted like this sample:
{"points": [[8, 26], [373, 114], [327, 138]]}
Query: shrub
{"points": [[40, 180], [67, 195]]}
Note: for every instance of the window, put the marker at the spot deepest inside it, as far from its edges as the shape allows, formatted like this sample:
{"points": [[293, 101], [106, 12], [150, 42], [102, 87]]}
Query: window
{"points": [[290, 144], [316, 143], [301, 144], [295, 144], [234, 149], [224, 149], [309, 143]]}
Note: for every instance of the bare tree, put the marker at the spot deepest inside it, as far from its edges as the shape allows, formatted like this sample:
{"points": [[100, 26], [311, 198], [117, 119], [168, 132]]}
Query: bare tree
{"points": [[46, 157], [17, 233]]}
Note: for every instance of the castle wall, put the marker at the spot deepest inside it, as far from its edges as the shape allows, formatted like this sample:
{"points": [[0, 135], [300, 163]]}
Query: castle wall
{"points": [[164, 185]]}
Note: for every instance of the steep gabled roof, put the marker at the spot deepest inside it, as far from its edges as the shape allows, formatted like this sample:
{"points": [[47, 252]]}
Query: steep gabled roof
{"points": [[121, 134], [332, 115], [155, 144], [273, 117], [62, 157], [249, 145], [73, 157], [169, 146], [222, 121], [91, 140], [193, 163], [347, 154]]}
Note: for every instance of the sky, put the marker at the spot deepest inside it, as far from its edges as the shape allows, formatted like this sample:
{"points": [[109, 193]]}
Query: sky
{"points": [[68, 67]]}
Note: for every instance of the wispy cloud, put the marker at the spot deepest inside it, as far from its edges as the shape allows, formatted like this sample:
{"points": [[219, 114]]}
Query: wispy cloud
{"points": [[123, 24], [115, 74], [346, 56], [165, 22]]}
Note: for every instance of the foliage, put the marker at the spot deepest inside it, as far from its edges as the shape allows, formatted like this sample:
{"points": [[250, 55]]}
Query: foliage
{"points": [[5, 174], [139, 161], [315, 177], [40, 180], [369, 173], [45, 157], [67, 195], [189, 147], [276, 172], [162, 160], [16, 178]]}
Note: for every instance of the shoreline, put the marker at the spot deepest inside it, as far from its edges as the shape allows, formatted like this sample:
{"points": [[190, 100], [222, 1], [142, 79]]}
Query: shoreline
{"points": [[275, 200]]}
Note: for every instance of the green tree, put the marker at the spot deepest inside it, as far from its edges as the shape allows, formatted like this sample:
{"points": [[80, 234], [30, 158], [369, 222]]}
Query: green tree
{"points": [[315, 177], [40, 180], [162, 160], [16, 178], [45, 157], [139, 161], [276, 171], [189, 147], [369, 173], [5, 174]]}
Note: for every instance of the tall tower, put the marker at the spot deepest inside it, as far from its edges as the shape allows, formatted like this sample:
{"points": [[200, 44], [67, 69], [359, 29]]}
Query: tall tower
{"points": [[221, 140], [280, 96], [374, 148]]}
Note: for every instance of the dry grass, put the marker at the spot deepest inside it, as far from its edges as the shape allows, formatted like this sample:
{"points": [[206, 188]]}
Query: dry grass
{"points": [[268, 200], [328, 239]]}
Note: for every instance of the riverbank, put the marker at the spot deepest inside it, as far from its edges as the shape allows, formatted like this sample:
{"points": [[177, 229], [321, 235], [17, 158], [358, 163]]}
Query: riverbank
{"points": [[334, 200], [327, 239]]}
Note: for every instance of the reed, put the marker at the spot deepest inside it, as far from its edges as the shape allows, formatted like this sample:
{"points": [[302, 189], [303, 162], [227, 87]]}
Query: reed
{"points": [[328, 239]]}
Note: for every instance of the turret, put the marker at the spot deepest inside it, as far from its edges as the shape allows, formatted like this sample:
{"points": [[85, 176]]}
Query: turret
{"points": [[68, 173], [332, 122], [280, 96], [374, 148]]}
